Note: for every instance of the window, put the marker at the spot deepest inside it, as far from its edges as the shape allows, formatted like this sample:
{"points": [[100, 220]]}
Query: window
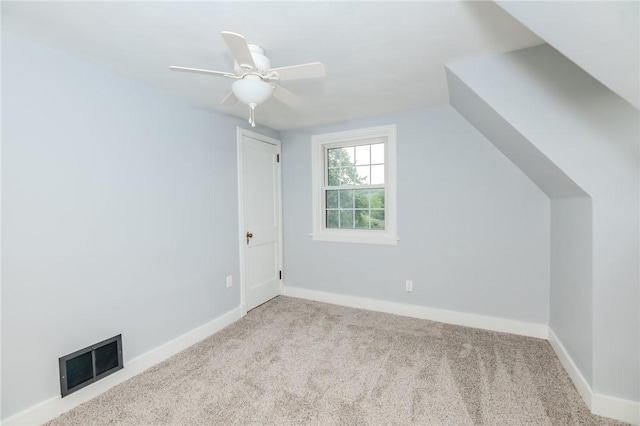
{"points": [[354, 186]]}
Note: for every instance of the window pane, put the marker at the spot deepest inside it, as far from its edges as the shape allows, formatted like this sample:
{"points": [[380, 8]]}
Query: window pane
{"points": [[377, 219], [363, 175], [362, 219], [377, 174], [346, 199], [361, 198], [333, 218], [377, 153], [332, 199], [348, 155], [346, 219], [348, 175], [332, 158], [334, 177], [377, 198], [362, 154], [340, 157]]}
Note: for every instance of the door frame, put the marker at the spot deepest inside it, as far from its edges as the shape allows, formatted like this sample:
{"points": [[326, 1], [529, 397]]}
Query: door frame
{"points": [[241, 132]]}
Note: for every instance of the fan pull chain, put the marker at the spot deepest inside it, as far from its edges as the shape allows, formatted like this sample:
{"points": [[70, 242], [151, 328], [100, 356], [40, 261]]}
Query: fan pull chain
{"points": [[252, 114]]}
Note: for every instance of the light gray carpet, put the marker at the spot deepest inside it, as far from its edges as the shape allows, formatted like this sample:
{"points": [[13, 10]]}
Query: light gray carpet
{"points": [[295, 362]]}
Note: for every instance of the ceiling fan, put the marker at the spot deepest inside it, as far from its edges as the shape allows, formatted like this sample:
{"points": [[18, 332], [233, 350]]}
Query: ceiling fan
{"points": [[255, 79]]}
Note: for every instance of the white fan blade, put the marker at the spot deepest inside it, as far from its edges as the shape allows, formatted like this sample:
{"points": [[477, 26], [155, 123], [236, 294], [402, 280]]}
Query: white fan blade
{"points": [[237, 44], [201, 71], [230, 99], [285, 96], [311, 70]]}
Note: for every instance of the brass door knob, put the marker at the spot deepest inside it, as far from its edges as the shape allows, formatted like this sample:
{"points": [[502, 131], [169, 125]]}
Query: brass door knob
{"points": [[249, 236]]}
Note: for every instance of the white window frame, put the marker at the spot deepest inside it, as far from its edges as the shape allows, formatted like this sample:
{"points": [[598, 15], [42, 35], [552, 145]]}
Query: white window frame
{"points": [[319, 143]]}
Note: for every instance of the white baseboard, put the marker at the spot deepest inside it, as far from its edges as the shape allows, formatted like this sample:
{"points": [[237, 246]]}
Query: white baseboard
{"points": [[603, 405], [574, 373], [52, 408], [616, 408], [442, 315]]}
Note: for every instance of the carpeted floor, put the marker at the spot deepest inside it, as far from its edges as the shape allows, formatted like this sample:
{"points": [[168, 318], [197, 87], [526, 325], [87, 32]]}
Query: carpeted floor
{"points": [[295, 362]]}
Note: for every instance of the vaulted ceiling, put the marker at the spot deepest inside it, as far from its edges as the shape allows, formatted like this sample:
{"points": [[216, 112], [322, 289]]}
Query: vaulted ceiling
{"points": [[380, 57]]}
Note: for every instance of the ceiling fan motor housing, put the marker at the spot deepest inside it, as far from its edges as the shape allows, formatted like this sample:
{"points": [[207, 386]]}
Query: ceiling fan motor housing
{"points": [[263, 64]]}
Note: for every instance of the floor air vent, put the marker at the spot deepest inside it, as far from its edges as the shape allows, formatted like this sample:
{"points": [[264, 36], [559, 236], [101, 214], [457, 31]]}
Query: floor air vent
{"points": [[90, 364]]}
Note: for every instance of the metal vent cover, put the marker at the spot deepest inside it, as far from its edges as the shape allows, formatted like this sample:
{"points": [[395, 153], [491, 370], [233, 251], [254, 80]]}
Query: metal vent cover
{"points": [[90, 364]]}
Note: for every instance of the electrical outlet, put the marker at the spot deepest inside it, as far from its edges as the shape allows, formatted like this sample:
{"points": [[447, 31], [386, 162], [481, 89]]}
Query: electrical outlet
{"points": [[229, 281], [408, 286]]}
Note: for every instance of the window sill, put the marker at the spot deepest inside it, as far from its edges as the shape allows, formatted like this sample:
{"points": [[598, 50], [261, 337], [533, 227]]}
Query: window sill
{"points": [[355, 238]]}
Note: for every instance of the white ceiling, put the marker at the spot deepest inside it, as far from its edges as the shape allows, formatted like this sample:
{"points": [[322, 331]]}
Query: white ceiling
{"points": [[380, 57]]}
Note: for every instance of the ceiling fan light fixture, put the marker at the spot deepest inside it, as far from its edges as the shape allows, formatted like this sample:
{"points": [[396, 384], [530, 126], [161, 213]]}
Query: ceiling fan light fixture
{"points": [[252, 90], [253, 75]]}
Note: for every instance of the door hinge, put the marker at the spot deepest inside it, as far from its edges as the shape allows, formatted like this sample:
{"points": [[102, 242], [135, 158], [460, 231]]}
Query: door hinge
{"points": [[280, 274], [278, 158]]}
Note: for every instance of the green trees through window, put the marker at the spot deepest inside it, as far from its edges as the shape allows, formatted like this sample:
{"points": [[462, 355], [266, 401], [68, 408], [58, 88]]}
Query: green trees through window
{"points": [[354, 194]]}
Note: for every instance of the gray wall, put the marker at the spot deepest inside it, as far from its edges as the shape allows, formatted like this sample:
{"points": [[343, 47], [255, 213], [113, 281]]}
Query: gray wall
{"points": [[571, 279], [591, 134], [119, 216], [474, 230]]}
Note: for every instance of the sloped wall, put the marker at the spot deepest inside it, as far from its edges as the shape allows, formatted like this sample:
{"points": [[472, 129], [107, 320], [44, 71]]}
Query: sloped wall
{"points": [[591, 135], [570, 315]]}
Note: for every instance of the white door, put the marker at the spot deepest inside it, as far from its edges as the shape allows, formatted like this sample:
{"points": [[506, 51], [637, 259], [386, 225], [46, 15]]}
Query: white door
{"points": [[260, 226]]}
